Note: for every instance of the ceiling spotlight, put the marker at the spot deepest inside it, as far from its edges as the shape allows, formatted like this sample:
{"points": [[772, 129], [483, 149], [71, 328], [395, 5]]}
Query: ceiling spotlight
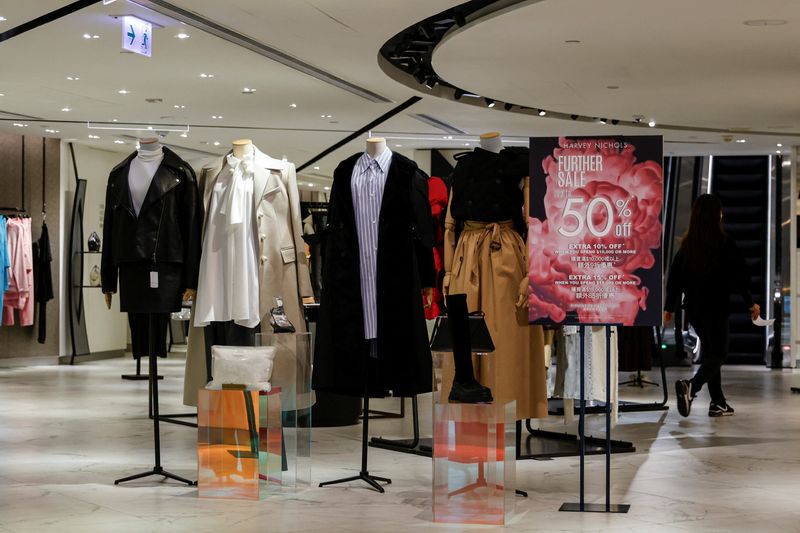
{"points": [[614, 121], [431, 81], [72, 78], [3, 19], [292, 105], [741, 140], [460, 19], [602, 121], [119, 141], [248, 90], [94, 136], [777, 151], [184, 135], [780, 145], [508, 107], [1, 94], [310, 184], [542, 112], [204, 75], [316, 168], [20, 124], [90, 36], [216, 117], [466, 144], [574, 117], [458, 93], [328, 116], [652, 123], [49, 130], [327, 188], [66, 109], [216, 143], [178, 106], [182, 36], [398, 145], [489, 102], [124, 91], [114, 120]]}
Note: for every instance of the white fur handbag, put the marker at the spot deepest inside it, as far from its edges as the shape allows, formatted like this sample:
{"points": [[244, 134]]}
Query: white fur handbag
{"points": [[242, 365]]}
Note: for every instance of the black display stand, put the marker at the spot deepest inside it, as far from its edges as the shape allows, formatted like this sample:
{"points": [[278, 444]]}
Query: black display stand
{"points": [[582, 506], [138, 376], [415, 445], [363, 475], [157, 469]]}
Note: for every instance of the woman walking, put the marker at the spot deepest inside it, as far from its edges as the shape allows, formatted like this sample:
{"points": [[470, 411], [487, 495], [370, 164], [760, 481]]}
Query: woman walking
{"points": [[707, 269]]}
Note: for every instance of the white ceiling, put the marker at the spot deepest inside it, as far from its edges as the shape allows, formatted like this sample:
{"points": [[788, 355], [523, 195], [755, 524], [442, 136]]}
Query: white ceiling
{"points": [[343, 38]]}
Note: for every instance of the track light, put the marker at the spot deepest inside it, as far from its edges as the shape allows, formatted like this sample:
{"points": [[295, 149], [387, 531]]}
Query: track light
{"points": [[652, 123], [458, 94], [461, 20], [508, 107], [431, 81], [614, 121], [489, 102], [574, 117], [542, 112]]}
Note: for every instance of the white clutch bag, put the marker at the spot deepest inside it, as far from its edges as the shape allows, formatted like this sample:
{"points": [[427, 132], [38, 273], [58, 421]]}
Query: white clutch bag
{"points": [[242, 365]]}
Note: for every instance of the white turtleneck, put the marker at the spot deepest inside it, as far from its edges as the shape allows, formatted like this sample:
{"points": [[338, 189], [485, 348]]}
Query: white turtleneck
{"points": [[143, 167]]}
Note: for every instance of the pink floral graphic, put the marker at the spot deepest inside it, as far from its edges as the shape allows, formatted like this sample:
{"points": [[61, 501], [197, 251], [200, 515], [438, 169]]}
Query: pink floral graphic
{"points": [[583, 273]]}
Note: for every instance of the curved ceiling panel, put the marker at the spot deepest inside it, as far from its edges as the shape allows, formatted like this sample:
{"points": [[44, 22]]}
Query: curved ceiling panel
{"points": [[711, 64]]}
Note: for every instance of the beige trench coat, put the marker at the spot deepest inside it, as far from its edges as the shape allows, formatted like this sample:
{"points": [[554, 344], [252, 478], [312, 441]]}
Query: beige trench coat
{"points": [[283, 266], [489, 265]]}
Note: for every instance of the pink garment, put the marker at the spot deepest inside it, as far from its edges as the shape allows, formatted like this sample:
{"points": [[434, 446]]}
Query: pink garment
{"points": [[20, 291]]}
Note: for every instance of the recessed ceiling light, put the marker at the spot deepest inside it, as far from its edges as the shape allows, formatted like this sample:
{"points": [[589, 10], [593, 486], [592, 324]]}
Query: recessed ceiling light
{"points": [[572, 41], [204, 75], [316, 168], [248, 90], [114, 120], [398, 145], [178, 106], [94, 136], [602, 121], [780, 145], [118, 141], [542, 112], [3, 19], [741, 140], [66, 109], [216, 117], [72, 78], [327, 188], [310, 184], [124, 91], [184, 135], [1, 94], [90, 36], [182, 36], [777, 151], [50, 130], [652, 123], [489, 102], [216, 143], [765, 22], [292, 105], [466, 144], [20, 125]]}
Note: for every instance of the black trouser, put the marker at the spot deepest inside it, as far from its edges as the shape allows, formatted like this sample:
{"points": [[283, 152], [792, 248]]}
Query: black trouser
{"points": [[227, 334], [713, 331], [140, 334]]}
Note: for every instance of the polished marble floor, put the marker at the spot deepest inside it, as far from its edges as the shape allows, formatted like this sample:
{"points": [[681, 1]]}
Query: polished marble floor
{"points": [[67, 432]]}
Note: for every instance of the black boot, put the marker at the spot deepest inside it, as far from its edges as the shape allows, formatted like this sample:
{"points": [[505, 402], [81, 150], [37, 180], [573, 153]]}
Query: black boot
{"points": [[466, 388]]}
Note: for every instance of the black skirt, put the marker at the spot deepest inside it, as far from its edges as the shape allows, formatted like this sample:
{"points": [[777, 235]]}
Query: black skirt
{"points": [[136, 295]]}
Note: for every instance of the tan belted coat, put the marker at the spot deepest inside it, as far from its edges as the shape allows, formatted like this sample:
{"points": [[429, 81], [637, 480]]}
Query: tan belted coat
{"points": [[283, 266]]}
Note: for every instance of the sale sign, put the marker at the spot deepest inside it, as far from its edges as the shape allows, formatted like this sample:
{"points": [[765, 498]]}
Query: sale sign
{"points": [[595, 230]]}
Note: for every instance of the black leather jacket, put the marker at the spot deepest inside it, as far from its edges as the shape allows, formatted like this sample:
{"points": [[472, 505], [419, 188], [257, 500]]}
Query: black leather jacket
{"points": [[172, 203]]}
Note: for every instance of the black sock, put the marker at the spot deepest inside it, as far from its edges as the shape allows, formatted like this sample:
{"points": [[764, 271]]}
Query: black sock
{"points": [[458, 318]]}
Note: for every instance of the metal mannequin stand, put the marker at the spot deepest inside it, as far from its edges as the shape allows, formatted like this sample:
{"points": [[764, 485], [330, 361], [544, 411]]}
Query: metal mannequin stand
{"points": [[157, 469], [582, 506], [363, 475], [138, 376]]}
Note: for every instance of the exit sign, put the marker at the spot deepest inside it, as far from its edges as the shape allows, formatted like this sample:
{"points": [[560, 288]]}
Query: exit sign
{"points": [[137, 36]]}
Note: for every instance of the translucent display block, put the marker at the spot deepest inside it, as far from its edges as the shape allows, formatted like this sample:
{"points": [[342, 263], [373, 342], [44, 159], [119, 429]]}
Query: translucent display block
{"points": [[228, 444], [291, 374], [474, 450], [272, 459]]}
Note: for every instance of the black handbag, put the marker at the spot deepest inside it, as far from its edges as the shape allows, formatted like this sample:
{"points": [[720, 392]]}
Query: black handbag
{"points": [[441, 340]]}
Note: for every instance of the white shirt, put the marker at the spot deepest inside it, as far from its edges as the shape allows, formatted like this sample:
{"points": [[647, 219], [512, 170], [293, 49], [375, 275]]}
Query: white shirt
{"points": [[367, 185], [143, 167], [228, 285]]}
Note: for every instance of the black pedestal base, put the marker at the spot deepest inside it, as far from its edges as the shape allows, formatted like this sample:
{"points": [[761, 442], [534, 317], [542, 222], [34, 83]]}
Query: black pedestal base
{"points": [[423, 447], [138, 377], [595, 508], [156, 471], [373, 481]]}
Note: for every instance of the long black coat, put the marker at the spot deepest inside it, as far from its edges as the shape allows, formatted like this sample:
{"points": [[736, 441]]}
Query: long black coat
{"points": [[165, 237], [404, 266]]}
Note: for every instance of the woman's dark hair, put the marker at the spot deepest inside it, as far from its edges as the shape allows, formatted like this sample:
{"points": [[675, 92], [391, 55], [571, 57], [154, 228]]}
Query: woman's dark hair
{"points": [[705, 235]]}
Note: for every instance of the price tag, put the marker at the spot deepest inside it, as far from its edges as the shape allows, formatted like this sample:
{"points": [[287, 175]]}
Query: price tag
{"points": [[153, 280]]}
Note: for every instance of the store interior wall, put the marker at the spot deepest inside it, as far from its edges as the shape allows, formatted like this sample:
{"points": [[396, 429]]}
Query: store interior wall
{"points": [[106, 329], [16, 341]]}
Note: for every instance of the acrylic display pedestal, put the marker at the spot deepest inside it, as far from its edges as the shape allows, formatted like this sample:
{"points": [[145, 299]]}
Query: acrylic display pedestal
{"points": [[474, 463], [228, 444]]}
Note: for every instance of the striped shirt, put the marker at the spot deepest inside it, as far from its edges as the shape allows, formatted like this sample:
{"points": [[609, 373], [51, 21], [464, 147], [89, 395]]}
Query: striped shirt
{"points": [[367, 184]]}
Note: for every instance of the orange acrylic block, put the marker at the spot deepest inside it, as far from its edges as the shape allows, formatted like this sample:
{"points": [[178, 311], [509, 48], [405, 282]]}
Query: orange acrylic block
{"points": [[474, 463], [228, 444]]}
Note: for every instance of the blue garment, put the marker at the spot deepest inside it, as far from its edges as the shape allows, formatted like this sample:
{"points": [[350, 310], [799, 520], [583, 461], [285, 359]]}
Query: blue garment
{"points": [[367, 185], [5, 263]]}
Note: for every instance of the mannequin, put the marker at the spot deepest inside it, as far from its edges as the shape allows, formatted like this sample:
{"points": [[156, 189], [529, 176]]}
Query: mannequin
{"points": [[371, 333], [492, 141], [486, 263], [252, 208], [135, 180]]}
